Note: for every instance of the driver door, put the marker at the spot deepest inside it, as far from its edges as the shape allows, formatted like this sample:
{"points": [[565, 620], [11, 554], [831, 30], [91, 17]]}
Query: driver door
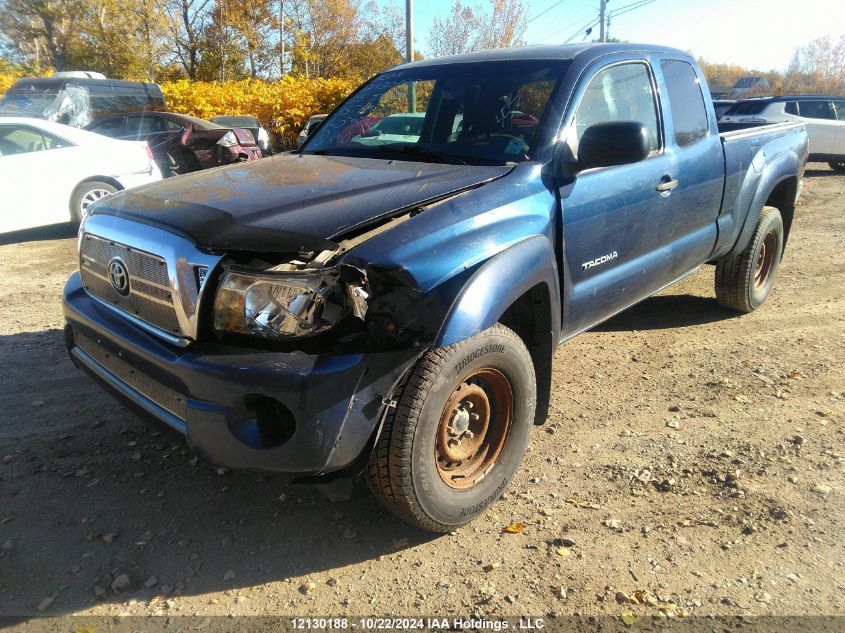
{"points": [[616, 220]]}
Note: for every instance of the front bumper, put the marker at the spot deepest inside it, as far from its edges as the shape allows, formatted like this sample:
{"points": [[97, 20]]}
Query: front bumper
{"points": [[208, 391]]}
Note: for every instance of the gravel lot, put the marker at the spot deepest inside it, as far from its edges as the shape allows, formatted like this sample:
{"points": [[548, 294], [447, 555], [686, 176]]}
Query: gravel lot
{"points": [[693, 463]]}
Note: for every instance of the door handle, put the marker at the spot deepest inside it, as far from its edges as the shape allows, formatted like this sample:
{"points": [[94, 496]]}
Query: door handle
{"points": [[667, 185]]}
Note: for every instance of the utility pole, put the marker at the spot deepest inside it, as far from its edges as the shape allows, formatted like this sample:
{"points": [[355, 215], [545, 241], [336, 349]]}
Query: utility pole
{"points": [[282, 38], [409, 51], [602, 20]]}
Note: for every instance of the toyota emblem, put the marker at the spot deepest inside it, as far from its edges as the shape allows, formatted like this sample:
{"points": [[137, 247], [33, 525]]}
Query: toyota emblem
{"points": [[119, 276]]}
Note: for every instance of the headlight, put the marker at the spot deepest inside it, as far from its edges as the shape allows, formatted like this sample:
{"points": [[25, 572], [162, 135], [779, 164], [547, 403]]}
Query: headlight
{"points": [[229, 139], [278, 305]]}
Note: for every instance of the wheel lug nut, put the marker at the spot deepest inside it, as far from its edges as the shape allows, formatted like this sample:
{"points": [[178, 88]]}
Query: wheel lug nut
{"points": [[474, 416], [468, 404]]}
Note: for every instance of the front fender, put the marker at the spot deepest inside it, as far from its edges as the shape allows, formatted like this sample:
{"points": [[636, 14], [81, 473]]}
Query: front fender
{"points": [[498, 283]]}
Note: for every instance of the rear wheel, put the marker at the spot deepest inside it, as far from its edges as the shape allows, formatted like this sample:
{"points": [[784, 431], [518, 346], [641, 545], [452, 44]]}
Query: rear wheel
{"points": [[744, 281], [458, 432], [838, 166], [86, 194]]}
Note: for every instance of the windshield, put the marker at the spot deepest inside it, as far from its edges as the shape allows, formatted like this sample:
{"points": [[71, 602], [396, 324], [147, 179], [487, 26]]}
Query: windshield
{"points": [[28, 99], [477, 113]]}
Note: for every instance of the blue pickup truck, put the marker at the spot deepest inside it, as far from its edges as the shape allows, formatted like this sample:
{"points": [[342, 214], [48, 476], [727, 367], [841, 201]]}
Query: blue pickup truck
{"points": [[390, 304]]}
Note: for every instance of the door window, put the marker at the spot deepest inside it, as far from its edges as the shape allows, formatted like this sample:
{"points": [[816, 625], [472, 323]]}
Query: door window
{"points": [[689, 117], [791, 107], [816, 109], [620, 93], [24, 140], [839, 107], [111, 127], [140, 126]]}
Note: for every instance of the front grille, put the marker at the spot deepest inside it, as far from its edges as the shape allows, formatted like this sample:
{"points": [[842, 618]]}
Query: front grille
{"points": [[163, 396], [149, 297]]}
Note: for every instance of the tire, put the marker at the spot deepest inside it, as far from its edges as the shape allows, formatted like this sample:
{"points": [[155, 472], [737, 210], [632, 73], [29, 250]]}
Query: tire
{"points": [[85, 194], [744, 281], [838, 167], [410, 471]]}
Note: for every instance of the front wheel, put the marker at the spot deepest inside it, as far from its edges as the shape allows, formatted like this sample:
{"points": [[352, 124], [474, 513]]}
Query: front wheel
{"points": [[87, 194], [458, 432], [838, 166], [744, 281]]}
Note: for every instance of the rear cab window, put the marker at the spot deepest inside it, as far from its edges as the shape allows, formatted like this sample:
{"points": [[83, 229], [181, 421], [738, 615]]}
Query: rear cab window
{"points": [[689, 115]]}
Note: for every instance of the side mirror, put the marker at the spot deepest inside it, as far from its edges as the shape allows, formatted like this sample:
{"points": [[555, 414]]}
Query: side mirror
{"points": [[613, 143]]}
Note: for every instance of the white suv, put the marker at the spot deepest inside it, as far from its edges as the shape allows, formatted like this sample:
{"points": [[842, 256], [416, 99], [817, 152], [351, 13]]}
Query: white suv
{"points": [[823, 115]]}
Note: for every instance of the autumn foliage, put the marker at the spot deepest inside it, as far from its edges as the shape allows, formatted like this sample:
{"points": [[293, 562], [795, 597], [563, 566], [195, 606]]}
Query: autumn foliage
{"points": [[282, 106]]}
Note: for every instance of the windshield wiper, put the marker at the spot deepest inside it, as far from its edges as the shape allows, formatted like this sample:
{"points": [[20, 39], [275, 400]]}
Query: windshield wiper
{"points": [[420, 150]]}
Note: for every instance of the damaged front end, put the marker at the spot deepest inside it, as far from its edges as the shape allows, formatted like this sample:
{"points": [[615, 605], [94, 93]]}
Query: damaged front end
{"points": [[316, 301]]}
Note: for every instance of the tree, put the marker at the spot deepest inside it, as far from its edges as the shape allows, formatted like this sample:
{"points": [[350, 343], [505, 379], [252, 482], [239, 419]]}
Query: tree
{"points": [[468, 29], [341, 38], [818, 67], [41, 33], [188, 20]]}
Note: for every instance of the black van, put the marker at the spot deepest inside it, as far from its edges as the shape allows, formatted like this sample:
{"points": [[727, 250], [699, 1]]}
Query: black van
{"points": [[79, 100]]}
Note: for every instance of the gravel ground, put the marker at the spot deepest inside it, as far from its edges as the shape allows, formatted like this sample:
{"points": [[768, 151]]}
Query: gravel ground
{"points": [[693, 463]]}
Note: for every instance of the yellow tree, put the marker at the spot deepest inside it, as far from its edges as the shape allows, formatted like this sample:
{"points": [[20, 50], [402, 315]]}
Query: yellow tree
{"points": [[818, 67]]}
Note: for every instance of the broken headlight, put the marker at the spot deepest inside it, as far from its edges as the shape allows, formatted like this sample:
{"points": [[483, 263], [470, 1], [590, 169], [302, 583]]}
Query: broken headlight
{"points": [[278, 305]]}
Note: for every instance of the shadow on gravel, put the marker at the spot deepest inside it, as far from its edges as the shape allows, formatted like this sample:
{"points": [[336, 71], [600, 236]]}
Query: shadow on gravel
{"points": [[667, 311], [52, 232], [89, 493], [821, 173]]}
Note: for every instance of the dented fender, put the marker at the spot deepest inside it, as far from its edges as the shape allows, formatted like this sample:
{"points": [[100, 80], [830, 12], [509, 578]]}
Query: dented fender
{"points": [[498, 283]]}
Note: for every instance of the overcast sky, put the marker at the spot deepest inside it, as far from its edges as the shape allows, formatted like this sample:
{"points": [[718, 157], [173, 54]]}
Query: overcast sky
{"points": [[754, 33]]}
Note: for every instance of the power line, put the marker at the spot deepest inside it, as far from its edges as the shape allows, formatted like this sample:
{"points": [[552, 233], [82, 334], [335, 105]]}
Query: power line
{"points": [[584, 28], [629, 7], [567, 17], [542, 13]]}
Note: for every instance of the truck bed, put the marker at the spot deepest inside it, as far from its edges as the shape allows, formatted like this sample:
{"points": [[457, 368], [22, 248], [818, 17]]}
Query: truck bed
{"points": [[754, 155]]}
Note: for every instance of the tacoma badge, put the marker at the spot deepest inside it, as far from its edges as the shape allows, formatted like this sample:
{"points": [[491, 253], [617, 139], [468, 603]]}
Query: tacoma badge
{"points": [[599, 260]]}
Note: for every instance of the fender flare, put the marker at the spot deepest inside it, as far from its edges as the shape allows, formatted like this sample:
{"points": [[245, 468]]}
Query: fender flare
{"points": [[497, 284], [784, 167]]}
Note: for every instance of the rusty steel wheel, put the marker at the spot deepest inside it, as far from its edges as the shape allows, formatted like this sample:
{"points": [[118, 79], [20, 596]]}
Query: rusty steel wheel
{"points": [[474, 427], [765, 259], [744, 280], [458, 432]]}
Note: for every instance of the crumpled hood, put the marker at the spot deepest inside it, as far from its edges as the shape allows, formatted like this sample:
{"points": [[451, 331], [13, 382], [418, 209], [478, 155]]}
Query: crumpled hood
{"points": [[290, 202]]}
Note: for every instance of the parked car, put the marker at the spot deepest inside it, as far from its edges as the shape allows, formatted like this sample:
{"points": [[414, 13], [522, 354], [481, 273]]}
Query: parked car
{"points": [[51, 173], [720, 106], [824, 116], [394, 308], [311, 124], [180, 143], [261, 136], [405, 127], [77, 100]]}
